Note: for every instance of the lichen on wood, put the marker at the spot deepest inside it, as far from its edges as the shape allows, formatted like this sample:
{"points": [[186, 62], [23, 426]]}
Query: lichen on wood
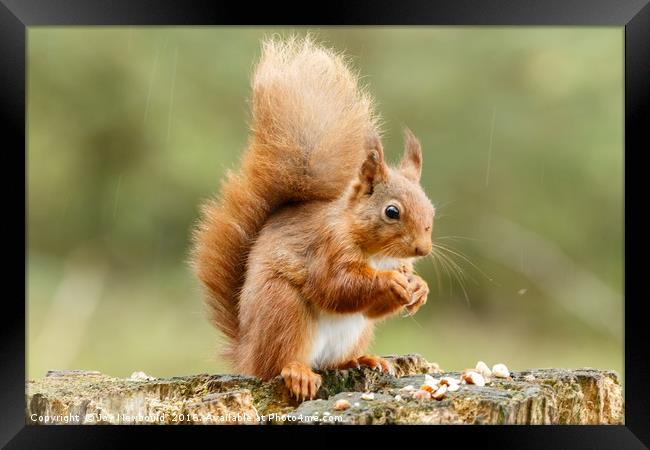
{"points": [[537, 396]]}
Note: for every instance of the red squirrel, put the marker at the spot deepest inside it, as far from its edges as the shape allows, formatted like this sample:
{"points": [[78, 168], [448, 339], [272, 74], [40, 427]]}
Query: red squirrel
{"points": [[312, 241]]}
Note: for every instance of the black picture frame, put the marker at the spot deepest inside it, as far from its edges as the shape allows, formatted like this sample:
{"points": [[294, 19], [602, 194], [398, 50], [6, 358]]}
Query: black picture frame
{"points": [[634, 15]]}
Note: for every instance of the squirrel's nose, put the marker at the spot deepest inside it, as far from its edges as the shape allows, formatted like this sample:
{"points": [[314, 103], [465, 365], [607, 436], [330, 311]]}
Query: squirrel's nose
{"points": [[423, 249]]}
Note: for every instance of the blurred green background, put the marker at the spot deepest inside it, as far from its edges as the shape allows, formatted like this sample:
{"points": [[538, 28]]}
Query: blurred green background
{"points": [[129, 129]]}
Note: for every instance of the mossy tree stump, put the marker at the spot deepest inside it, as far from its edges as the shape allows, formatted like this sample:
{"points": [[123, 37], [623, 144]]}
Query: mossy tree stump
{"points": [[537, 396]]}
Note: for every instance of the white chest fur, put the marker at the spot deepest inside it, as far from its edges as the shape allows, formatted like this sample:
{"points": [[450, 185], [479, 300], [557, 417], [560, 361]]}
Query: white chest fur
{"points": [[335, 336], [385, 263]]}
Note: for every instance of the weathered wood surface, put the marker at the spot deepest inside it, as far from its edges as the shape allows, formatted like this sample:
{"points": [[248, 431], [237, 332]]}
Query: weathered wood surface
{"points": [[537, 396]]}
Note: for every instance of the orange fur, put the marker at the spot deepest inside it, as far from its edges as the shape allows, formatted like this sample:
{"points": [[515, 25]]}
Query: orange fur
{"points": [[293, 233]]}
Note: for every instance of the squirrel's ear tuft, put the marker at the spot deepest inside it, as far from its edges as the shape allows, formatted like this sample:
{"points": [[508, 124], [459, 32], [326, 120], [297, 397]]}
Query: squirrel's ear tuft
{"points": [[411, 165], [373, 170]]}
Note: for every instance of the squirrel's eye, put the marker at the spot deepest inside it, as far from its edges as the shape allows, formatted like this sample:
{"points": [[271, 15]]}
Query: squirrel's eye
{"points": [[392, 212]]}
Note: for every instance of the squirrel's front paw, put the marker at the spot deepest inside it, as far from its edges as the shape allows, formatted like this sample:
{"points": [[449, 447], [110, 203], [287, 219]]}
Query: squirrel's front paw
{"points": [[301, 380], [392, 295], [398, 288], [420, 292]]}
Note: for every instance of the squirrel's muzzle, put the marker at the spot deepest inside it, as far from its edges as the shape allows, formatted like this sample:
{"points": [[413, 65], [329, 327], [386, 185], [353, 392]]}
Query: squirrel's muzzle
{"points": [[423, 247]]}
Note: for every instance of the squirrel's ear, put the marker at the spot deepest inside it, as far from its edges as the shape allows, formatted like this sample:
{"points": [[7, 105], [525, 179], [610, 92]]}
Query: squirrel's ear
{"points": [[411, 165], [373, 170]]}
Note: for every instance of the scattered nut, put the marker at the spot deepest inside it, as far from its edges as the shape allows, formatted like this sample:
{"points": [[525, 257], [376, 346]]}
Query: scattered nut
{"points": [[426, 387], [453, 387], [398, 398], [529, 377], [141, 376], [356, 404], [500, 371], [367, 396], [472, 377], [341, 405], [421, 394], [483, 369], [440, 393], [449, 381], [428, 379], [408, 388]]}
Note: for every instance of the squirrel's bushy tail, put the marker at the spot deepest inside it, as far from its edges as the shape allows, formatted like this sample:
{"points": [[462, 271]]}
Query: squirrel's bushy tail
{"points": [[310, 124]]}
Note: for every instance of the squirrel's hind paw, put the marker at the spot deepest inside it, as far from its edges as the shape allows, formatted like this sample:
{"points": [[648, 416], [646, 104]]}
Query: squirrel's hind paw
{"points": [[376, 362], [301, 381]]}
